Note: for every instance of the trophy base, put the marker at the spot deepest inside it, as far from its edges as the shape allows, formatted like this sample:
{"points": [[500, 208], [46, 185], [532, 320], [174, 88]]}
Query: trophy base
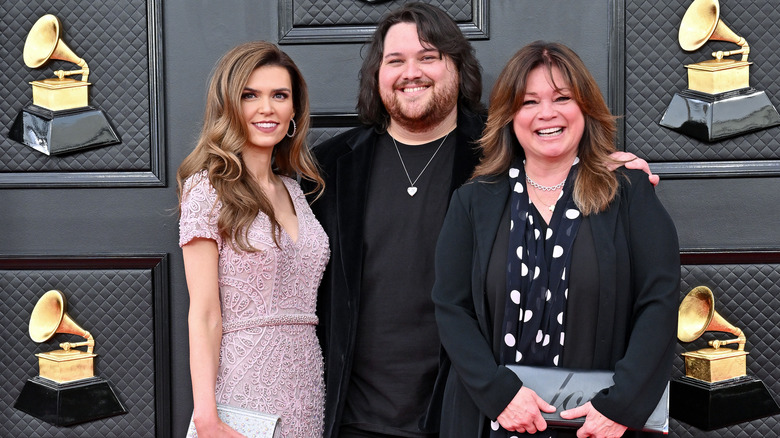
{"points": [[714, 117], [61, 132], [710, 406], [65, 404]]}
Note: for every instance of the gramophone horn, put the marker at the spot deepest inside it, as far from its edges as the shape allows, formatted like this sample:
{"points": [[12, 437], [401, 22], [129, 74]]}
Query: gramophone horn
{"points": [[701, 23], [44, 43], [697, 315], [724, 33], [698, 24], [49, 317], [696, 312]]}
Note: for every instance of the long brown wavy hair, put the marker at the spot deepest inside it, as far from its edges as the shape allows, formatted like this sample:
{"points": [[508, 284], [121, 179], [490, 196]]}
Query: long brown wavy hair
{"points": [[595, 185], [436, 28], [219, 149]]}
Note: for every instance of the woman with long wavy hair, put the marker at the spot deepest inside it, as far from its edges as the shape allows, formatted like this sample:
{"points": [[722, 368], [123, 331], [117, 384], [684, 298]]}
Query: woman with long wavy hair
{"points": [[253, 252]]}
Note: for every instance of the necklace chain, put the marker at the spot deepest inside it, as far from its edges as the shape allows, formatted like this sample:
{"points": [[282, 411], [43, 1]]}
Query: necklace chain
{"points": [[412, 189], [549, 207], [536, 185]]}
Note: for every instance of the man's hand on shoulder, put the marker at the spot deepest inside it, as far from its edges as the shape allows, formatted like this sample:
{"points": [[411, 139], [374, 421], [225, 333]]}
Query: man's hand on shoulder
{"points": [[631, 161]]}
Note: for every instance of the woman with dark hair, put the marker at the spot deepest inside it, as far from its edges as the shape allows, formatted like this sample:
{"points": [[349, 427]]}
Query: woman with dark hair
{"points": [[548, 258], [253, 252]]}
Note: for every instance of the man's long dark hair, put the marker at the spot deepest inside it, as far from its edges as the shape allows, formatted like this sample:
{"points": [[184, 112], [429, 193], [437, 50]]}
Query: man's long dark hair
{"points": [[436, 28]]}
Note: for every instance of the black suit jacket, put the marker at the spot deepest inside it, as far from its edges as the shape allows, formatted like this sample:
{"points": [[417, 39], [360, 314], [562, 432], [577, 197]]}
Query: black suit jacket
{"points": [[638, 272], [345, 162]]}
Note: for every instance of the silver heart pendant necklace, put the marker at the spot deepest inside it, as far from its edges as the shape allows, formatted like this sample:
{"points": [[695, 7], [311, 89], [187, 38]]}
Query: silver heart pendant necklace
{"points": [[411, 190]]}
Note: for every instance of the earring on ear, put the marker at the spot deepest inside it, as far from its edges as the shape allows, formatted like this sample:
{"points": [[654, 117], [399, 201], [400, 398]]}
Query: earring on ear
{"points": [[295, 128]]}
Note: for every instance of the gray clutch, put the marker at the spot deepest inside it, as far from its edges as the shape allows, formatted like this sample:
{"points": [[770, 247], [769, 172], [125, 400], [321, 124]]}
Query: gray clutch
{"points": [[249, 423], [566, 389]]}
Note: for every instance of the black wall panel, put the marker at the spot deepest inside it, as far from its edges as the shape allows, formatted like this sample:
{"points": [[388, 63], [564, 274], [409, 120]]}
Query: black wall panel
{"points": [[628, 45]]}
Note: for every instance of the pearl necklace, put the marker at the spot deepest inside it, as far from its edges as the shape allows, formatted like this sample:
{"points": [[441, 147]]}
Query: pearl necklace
{"points": [[536, 185], [548, 188]]}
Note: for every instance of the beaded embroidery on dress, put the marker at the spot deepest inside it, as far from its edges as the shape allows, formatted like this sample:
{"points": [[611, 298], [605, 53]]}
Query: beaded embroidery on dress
{"points": [[270, 358]]}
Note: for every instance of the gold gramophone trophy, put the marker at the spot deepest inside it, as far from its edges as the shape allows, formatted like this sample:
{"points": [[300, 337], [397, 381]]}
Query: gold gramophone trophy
{"points": [[60, 119], [719, 101], [66, 390], [716, 390]]}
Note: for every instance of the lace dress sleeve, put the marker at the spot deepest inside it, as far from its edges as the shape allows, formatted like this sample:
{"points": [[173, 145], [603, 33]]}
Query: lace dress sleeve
{"points": [[199, 210]]}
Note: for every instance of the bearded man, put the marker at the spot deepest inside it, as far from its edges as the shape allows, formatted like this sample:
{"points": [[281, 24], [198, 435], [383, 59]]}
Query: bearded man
{"points": [[387, 188]]}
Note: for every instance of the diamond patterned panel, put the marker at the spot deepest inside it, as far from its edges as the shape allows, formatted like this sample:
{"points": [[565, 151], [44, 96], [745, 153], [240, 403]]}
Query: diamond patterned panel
{"points": [[655, 71], [117, 307], [112, 38], [318, 135], [341, 12], [748, 296]]}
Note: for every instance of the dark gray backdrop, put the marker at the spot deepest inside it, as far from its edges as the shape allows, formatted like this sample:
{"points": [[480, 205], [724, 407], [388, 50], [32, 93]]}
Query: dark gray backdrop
{"points": [[713, 214]]}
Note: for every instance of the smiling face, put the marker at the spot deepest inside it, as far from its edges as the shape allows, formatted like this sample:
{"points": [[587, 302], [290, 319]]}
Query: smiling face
{"points": [[267, 105], [418, 85], [549, 124]]}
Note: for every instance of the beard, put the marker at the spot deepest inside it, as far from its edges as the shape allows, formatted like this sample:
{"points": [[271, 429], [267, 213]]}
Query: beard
{"points": [[421, 116]]}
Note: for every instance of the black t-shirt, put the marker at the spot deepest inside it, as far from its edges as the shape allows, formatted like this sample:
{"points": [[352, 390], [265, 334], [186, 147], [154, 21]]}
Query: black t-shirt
{"points": [[397, 347]]}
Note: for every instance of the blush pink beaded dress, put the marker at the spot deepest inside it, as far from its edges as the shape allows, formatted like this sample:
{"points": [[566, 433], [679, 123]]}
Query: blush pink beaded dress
{"points": [[270, 360]]}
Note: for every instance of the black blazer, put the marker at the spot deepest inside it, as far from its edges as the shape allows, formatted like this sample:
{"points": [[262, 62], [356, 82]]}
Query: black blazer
{"points": [[345, 162], [639, 275]]}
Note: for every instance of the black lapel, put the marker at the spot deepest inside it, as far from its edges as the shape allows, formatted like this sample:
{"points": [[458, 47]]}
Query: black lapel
{"points": [[488, 205], [604, 228], [353, 172]]}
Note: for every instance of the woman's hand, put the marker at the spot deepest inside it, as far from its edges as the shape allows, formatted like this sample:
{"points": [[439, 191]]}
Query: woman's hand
{"points": [[523, 414], [215, 428], [596, 425]]}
